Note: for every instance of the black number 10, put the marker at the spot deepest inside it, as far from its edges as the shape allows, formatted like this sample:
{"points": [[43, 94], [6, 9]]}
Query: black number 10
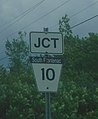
{"points": [[46, 72]]}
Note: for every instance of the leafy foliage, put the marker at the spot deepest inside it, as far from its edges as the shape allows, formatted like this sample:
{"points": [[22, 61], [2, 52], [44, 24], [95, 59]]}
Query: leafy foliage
{"points": [[17, 51], [77, 96]]}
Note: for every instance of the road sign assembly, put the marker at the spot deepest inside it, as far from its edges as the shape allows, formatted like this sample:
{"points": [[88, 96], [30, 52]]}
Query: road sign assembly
{"points": [[47, 66]]}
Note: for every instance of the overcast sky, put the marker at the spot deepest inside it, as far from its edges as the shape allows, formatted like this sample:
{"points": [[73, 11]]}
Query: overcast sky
{"points": [[33, 15]]}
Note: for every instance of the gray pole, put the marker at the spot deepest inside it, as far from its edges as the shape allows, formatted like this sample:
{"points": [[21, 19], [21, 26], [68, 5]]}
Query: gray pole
{"points": [[47, 110], [47, 95]]}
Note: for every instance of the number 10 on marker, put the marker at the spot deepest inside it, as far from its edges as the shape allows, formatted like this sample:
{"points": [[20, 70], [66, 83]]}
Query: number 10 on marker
{"points": [[49, 74]]}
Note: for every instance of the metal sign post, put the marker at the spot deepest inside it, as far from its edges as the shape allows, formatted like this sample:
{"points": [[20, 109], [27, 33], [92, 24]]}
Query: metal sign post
{"points": [[47, 96], [46, 67], [47, 109]]}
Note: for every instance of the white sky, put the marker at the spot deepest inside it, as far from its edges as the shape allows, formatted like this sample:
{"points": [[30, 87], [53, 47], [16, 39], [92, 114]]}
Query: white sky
{"points": [[11, 9]]}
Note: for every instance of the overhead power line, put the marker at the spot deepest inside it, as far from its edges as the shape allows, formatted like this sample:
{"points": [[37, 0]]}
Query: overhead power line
{"points": [[80, 11], [18, 18], [41, 17], [71, 27], [30, 9], [84, 21], [45, 14]]}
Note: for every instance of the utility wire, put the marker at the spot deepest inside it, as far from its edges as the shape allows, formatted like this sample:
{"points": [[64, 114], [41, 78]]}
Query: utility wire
{"points": [[84, 21], [78, 12], [44, 15], [72, 27], [84, 9], [41, 17], [51, 12], [27, 11], [18, 18]]}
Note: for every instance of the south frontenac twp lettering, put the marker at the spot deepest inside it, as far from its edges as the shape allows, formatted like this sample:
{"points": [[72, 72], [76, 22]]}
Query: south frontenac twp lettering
{"points": [[46, 60]]}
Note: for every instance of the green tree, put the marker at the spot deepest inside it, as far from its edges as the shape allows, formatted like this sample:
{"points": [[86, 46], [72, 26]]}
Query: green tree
{"points": [[64, 26], [17, 52], [19, 98], [77, 83], [78, 86]]}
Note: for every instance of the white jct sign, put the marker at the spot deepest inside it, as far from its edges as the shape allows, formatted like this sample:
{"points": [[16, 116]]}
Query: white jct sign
{"points": [[41, 42], [47, 76]]}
